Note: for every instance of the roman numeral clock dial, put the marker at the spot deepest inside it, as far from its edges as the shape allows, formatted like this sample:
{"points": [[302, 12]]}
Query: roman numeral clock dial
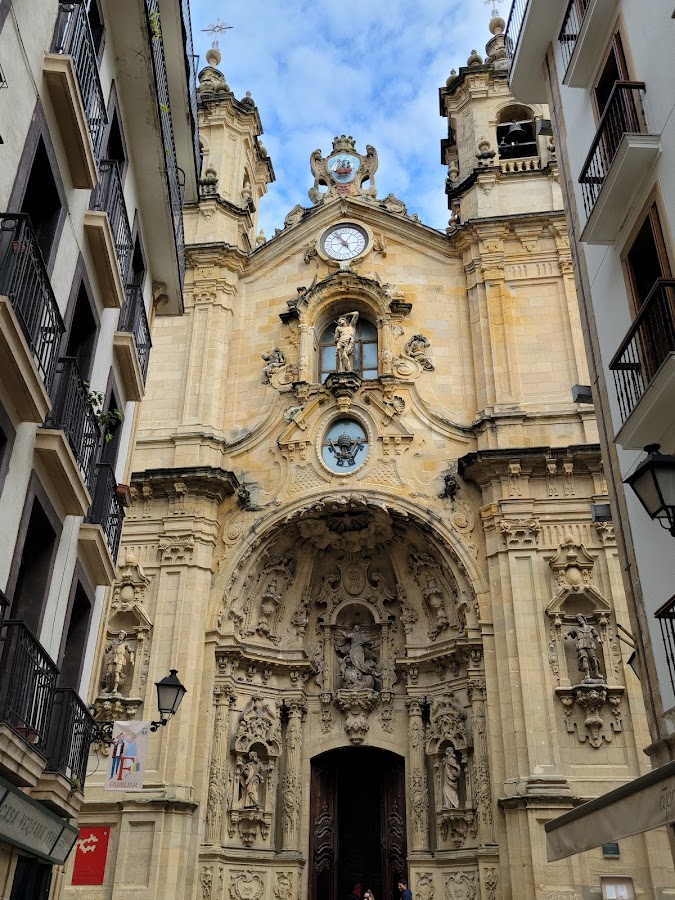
{"points": [[344, 242]]}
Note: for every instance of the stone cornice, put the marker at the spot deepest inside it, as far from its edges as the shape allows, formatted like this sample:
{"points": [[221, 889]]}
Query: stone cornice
{"points": [[216, 254], [484, 466], [203, 480]]}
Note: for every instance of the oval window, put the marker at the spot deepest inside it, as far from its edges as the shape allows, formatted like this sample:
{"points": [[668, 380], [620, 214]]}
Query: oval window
{"points": [[344, 446]]}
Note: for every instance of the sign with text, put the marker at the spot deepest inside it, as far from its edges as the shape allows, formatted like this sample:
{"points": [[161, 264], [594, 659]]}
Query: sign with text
{"points": [[29, 825], [128, 753], [90, 855]]}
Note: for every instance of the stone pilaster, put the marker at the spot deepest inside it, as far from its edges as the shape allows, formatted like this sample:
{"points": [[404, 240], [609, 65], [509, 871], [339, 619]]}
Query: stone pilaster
{"points": [[223, 699], [480, 775], [292, 783], [418, 788]]}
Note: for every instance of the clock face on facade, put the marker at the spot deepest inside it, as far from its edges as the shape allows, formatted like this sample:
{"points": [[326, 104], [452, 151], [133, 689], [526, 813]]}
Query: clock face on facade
{"points": [[344, 241]]}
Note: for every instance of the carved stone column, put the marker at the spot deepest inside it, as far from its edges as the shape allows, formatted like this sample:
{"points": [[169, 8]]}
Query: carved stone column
{"points": [[304, 352], [386, 353], [291, 799], [480, 775], [418, 788], [223, 699]]}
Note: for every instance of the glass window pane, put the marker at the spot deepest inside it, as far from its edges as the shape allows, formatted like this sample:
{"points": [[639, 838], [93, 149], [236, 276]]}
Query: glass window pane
{"points": [[328, 337], [328, 359], [369, 356], [369, 374], [357, 358], [367, 331]]}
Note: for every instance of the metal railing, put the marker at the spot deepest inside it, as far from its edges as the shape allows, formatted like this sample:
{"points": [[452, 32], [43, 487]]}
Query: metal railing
{"points": [[74, 414], [106, 510], [69, 737], [647, 345], [192, 82], [4, 606], [108, 197], [514, 26], [24, 279], [72, 36], [624, 114], [666, 617], [168, 140], [133, 319], [27, 685], [571, 26]]}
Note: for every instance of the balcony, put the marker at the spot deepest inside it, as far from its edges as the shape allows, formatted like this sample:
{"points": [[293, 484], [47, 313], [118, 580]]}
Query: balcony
{"points": [[31, 327], [100, 533], [620, 159], [666, 617], [26, 699], [68, 444], [532, 26], [175, 188], [106, 225], [62, 783], [644, 372], [586, 28], [71, 73], [131, 344]]}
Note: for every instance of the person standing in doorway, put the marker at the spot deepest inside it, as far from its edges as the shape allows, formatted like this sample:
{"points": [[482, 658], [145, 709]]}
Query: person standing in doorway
{"points": [[406, 893]]}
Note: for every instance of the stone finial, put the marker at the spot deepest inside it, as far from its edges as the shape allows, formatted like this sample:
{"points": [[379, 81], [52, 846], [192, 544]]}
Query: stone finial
{"points": [[497, 25], [248, 100], [474, 59], [451, 77], [261, 239], [213, 56]]}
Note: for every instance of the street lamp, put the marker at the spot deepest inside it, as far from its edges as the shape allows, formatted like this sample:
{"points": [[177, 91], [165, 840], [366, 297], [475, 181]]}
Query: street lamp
{"points": [[654, 484], [170, 693]]}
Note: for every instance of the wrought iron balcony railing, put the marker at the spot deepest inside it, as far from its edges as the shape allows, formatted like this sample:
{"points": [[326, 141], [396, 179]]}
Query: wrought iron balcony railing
{"points": [[172, 171], [666, 617], [69, 737], [647, 345], [108, 197], [624, 114], [27, 685], [192, 82], [106, 510], [74, 414], [72, 36], [24, 279], [133, 319], [514, 26], [571, 26]]}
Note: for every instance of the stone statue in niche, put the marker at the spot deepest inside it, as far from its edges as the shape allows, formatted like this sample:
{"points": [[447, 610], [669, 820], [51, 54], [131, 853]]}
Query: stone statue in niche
{"points": [[586, 635], [269, 605], [119, 653], [434, 597], [450, 775], [252, 778], [275, 360], [345, 333], [358, 663]]}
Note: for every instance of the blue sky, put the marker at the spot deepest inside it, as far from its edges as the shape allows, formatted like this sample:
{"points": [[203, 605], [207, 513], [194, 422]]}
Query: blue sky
{"points": [[370, 69]]}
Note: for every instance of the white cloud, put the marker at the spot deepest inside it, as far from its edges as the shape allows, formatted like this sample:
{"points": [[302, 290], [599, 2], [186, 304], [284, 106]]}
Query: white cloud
{"points": [[372, 71]]}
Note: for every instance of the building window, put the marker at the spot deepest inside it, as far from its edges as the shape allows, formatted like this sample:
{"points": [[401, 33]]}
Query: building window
{"points": [[614, 69], [34, 567], [96, 26], [114, 145], [646, 259], [617, 888], [32, 879], [344, 446], [74, 644], [365, 351], [42, 201], [82, 333], [516, 136]]}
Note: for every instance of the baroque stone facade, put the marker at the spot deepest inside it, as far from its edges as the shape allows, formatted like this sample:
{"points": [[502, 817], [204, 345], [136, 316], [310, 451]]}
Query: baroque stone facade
{"points": [[369, 573]]}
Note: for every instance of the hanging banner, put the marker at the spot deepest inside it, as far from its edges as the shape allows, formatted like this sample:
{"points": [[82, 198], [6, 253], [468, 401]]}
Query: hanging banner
{"points": [[128, 753], [90, 855]]}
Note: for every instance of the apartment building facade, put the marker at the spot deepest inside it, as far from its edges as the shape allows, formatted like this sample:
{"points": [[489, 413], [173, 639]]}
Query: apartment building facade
{"points": [[605, 68], [98, 152]]}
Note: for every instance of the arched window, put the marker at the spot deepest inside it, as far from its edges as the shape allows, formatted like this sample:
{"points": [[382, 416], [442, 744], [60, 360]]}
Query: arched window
{"points": [[516, 136], [365, 351]]}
